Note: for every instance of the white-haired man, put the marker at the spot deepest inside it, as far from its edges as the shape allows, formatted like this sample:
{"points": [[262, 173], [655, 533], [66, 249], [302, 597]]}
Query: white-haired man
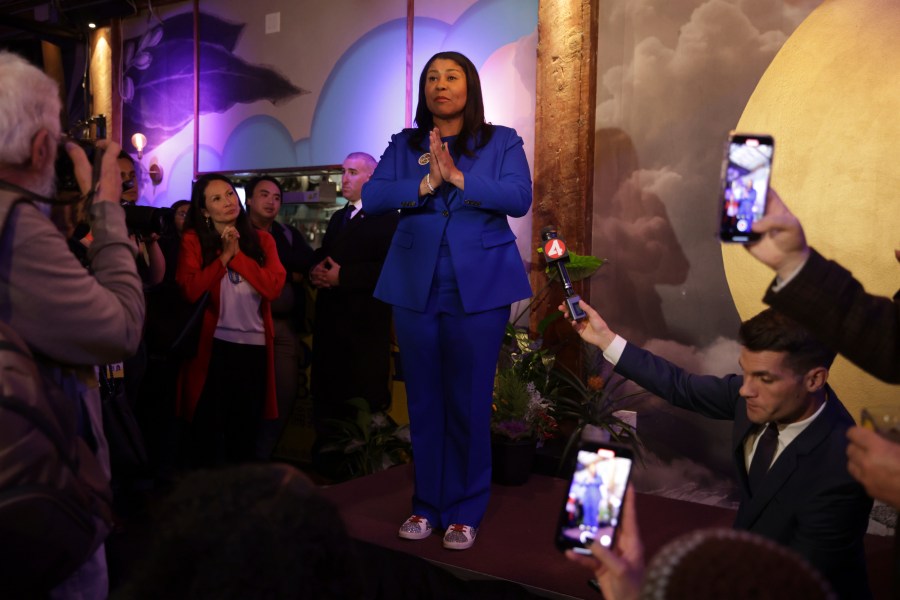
{"points": [[70, 317]]}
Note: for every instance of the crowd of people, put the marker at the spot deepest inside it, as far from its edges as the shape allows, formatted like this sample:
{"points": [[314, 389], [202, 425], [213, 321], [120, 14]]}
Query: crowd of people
{"points": [[423, 246]]}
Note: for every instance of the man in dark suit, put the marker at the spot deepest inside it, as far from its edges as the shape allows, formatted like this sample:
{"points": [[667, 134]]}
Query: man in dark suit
{"points": [[825, 298], [788, 439], [865, 328], [264, 195], [351, 330]]}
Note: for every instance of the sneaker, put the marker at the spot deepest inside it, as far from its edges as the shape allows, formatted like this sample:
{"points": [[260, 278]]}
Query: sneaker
{"points": [[415, 528], [459, 537]]}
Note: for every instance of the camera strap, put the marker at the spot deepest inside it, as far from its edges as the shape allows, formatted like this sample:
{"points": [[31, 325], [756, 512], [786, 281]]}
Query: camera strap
{"points": [[12, 187]]}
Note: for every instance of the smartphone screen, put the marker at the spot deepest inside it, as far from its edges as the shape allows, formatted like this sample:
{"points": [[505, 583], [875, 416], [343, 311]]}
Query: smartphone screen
{"points": [[744, 184], [593, 505]]}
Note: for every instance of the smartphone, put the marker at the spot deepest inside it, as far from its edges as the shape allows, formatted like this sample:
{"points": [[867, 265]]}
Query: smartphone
{"points": [[744, 184], [592, 508]]}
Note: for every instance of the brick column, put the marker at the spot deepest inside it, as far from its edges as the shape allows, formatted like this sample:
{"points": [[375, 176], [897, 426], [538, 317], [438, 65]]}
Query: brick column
{"points": [[564, 145]]}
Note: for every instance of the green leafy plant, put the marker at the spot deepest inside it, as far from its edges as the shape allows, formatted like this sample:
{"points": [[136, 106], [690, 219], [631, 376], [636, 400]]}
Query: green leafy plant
{"points": [[368, 443], [519, 410], [579, 267], [593, 402], [527, 367]]}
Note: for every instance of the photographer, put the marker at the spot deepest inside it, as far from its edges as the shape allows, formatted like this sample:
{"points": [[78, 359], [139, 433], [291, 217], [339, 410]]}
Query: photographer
{"points": [[71, 317], [151, 263]]}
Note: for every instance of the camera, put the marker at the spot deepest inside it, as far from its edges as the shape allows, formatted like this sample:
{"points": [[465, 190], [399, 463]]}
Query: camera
{"points": [[147, 220], [85, 134], [66, 182]]}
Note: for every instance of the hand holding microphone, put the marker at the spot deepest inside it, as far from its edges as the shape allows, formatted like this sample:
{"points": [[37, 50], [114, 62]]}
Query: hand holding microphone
{"points": [[556, 253]]}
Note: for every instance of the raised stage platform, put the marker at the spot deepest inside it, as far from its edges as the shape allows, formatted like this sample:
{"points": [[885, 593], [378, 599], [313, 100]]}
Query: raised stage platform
{"points": [[515, 542]]}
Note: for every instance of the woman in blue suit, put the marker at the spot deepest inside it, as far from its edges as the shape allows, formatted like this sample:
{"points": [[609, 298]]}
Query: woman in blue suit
{"points": [[451, 274]]}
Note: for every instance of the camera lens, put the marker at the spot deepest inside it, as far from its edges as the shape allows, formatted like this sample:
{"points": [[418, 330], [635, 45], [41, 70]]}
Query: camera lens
{"points": [[146, 220]]}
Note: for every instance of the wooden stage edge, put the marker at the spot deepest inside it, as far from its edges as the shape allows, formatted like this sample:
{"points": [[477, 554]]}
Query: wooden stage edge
{"points": [[515, 542]]}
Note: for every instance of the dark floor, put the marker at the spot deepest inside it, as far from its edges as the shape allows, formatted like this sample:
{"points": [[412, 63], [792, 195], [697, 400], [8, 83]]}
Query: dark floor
{"points": [[515, 542], [135, 506], [514, 545]]}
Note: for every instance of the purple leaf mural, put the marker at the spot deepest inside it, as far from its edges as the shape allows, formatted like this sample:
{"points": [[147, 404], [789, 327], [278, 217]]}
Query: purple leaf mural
{"points": [[158, 76]]}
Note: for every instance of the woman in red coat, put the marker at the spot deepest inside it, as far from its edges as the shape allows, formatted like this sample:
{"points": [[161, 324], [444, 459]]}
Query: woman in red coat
{"points": [[229, 386]]}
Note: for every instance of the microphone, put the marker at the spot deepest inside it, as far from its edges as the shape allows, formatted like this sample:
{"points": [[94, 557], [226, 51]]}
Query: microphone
{"points": [[556, 253]]}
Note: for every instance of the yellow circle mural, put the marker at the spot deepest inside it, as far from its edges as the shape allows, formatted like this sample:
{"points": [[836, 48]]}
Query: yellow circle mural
{"points": [[831, 99]]}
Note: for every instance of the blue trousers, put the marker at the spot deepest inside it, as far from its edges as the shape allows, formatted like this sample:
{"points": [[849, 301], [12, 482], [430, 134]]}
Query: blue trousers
{"points": [[449, 359]]}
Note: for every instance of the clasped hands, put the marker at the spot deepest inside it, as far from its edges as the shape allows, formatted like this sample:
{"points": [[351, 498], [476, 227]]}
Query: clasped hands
{"points": [[441, 164], [230, 244], [326, 274]]}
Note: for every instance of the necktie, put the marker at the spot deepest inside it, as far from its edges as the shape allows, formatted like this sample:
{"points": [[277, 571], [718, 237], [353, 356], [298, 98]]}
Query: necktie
{"points": [[346, 217], [762, 458]]}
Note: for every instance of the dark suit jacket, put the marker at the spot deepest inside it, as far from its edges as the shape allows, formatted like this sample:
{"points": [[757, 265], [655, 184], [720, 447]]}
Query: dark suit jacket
{"points": [[295, 255], [352, 329], [825, 298], [808, 501]]}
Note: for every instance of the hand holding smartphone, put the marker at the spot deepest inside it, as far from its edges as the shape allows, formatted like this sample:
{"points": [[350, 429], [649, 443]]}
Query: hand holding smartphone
{"points": [[744, 184], [593, 505]]}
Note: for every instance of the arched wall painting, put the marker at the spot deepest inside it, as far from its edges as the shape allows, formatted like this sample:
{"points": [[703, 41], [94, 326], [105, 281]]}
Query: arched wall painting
{"points": [[319, 88]]}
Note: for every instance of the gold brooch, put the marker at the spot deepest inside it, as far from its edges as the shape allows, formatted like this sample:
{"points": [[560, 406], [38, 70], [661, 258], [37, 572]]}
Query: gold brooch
{"points": [[425, 159]]}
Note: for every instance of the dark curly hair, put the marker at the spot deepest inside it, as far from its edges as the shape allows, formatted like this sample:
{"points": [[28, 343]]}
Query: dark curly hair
{"points": [[210, 240], [475, 131], [245, 533]]}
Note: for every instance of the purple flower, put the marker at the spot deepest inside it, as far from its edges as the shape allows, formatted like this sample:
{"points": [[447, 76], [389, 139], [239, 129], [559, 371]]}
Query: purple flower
{"points": [[513, 429]]}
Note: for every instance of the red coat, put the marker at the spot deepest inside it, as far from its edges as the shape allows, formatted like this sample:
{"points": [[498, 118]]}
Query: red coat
{"points": [[194, 279]]}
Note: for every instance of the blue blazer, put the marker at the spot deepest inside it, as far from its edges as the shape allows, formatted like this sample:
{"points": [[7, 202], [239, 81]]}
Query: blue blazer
{"points": [[489, 269], [808, 501]]}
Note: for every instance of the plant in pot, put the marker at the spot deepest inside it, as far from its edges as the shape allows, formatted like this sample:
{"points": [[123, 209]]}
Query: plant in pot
{"points": [[521, 418], [576, 403], [366, 443], [595, 402]]}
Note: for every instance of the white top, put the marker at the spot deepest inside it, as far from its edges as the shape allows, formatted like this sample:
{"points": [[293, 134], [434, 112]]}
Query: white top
{"points": [[240, 321]]}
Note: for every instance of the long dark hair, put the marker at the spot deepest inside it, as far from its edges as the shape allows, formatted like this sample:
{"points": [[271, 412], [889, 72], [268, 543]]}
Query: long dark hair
{"points": [[210, 240], [474, 128]]}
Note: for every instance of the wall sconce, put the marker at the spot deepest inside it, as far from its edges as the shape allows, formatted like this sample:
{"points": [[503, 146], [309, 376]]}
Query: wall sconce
{"points": [[156, 174], [139, 141]]}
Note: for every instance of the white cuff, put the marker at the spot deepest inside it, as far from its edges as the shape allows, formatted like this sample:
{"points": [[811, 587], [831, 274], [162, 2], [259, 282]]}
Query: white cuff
{"points": [[780, 283], [614, 351]]}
